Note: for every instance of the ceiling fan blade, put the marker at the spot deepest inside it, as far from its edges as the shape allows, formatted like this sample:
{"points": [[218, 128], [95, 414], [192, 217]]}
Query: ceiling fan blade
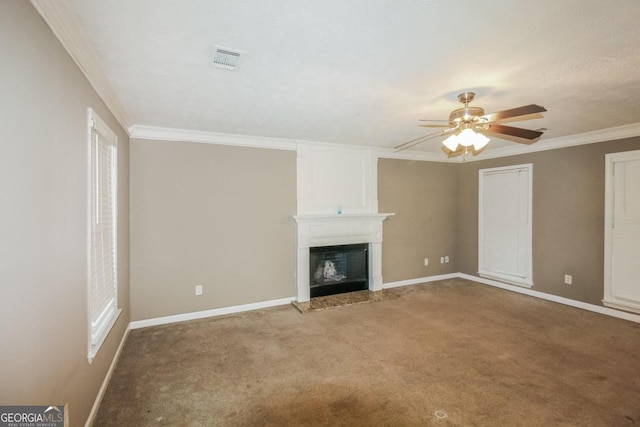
{"points": [[435, 126], [421, 139], [430, 120], [514, 112], [524, 134]]}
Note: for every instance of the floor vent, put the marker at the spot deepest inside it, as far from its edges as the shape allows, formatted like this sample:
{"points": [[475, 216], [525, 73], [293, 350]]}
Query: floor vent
{"points": [[228, 59]]}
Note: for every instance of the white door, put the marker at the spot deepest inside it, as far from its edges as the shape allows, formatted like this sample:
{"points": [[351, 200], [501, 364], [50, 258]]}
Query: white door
{"points": [[504, 224], [622, 231]]}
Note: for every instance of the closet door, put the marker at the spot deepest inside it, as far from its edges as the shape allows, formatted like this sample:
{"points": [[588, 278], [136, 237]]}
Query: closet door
{"points": [[622, 231], [504, 237]]}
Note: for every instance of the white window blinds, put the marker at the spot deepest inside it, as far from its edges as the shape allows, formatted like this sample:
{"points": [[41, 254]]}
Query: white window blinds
{"points": [[505, 224], [103, 285]]}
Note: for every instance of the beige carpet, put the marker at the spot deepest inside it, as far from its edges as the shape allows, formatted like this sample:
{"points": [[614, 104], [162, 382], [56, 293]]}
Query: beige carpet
{"points": [[450, 353]]}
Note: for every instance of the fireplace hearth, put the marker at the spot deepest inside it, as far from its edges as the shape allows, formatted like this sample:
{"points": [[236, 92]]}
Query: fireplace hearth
{"points": [[338, 269]]}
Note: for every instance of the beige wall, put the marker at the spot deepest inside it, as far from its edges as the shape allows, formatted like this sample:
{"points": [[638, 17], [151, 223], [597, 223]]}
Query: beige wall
{"points": [[43, 221], [423, 195], [211, 215], [568, 216]]}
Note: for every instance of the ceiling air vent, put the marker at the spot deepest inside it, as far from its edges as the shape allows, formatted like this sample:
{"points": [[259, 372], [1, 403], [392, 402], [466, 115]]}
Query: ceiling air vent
{"points": [[229, 59]]}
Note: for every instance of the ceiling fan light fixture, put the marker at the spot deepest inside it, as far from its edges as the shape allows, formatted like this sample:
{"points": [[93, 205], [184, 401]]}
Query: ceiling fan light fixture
{"points": [[451, 142], [480, 142], [467, 138]]}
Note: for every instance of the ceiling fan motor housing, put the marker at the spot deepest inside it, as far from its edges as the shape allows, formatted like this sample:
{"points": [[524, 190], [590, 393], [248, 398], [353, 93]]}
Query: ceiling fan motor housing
{"points": [[468, 115]]}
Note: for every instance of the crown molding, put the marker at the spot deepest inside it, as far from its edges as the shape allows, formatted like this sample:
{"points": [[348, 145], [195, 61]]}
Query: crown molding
{"points": [[185, 135], [602, 135], [609, 134], [423, 156], [57, 14], [205, 137]]}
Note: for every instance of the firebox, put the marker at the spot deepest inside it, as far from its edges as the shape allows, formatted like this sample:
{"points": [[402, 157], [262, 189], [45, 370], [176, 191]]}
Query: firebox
{"points": [[338, 269]]}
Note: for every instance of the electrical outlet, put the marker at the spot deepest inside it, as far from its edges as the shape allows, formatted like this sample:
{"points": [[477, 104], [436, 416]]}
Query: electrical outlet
{"points": [[426, 261], [198, 290], [446, 259], [568, 279], [441, 260]]}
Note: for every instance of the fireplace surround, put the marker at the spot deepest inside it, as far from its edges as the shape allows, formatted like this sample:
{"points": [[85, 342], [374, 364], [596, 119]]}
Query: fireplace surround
{"points": [[334, 230]]}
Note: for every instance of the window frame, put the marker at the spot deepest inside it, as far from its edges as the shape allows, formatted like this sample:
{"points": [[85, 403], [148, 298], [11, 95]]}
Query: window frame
{"points": [[97, 335]]}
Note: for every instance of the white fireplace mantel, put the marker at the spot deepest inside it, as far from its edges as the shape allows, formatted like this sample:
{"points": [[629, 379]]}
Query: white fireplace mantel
{"points": [[338, 229]]}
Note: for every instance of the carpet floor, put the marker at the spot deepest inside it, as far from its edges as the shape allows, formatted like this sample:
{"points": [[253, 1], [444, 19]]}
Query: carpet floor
{"points": [[449, 353]]}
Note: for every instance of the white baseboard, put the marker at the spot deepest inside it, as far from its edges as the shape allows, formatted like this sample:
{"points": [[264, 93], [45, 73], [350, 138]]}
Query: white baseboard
{"points": [[107, 379], [420, 280], [209, 313], [283, 301], [549, 297]]}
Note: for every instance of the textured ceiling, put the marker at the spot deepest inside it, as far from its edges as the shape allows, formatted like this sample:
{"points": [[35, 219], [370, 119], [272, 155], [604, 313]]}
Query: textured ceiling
{"points": [[364, 71]]}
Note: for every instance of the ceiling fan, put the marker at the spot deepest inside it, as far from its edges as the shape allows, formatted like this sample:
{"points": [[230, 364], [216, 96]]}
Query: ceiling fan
{"points": [[467, 127]]}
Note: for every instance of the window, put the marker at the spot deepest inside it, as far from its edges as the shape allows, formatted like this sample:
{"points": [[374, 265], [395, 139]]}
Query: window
{"points": [[504, 241], [103, 196]]}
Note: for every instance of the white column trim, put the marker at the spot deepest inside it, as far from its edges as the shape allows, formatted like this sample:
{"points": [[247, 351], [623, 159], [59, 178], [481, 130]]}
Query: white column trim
{"points": [[205, 137]]}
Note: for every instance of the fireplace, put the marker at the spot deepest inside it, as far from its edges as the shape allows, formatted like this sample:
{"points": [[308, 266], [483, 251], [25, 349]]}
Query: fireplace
{"points": [[321, 231], [338, 269]]}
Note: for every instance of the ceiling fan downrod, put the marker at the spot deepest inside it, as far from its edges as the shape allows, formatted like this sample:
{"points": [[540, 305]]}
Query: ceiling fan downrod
{"points": [[466, 98]]}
